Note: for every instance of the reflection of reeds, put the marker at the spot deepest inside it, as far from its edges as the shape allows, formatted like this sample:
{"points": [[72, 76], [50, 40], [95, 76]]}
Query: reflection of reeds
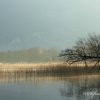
{"points": [[46, 68]]}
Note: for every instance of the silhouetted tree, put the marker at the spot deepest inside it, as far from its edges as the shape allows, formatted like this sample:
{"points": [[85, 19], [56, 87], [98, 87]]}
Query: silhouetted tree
{"points": [[85, 50]]}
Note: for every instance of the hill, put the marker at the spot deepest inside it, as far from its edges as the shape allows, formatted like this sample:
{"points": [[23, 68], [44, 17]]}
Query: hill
{"points": [[29, 56]]}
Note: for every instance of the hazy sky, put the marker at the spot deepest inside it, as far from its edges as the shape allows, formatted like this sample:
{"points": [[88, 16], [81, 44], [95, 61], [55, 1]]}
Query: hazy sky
{"points": [[46, 23]]}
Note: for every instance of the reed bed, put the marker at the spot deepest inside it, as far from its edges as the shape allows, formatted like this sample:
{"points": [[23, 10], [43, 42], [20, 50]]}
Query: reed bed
{"points": [[50, 68]]}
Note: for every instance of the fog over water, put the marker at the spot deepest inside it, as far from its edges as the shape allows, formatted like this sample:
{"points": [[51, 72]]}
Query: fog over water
{"points": [[46, 23]]}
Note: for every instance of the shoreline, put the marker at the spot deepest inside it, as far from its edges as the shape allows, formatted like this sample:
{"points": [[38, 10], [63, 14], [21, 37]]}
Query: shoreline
{"points": [[50, 68]]}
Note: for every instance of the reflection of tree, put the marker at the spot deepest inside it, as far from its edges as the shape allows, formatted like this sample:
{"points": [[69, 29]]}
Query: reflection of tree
{"points": [[77, 87]]}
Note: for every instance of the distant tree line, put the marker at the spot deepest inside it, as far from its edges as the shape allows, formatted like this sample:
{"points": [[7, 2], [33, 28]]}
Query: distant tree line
{"points": [[85, 50], [32, 55]]}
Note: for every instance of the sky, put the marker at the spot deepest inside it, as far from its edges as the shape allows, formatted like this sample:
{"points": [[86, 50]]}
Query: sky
{"points": [[46, 23]]}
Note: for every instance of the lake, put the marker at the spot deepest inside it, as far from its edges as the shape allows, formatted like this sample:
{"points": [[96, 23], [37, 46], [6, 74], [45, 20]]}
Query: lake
{"points": [[27, 86]]}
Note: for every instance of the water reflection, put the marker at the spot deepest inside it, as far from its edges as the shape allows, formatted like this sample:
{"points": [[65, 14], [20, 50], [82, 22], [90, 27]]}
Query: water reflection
{"points": [[84, 87]]}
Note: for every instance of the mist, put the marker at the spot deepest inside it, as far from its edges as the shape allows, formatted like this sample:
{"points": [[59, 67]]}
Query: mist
{"points": [[46, 23]]}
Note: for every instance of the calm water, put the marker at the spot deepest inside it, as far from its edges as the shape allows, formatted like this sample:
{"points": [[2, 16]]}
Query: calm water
{"points": [[17, 86]]}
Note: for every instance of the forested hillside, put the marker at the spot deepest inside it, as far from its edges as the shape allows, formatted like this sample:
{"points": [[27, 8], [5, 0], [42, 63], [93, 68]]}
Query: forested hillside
{"points": [[29, 56]]}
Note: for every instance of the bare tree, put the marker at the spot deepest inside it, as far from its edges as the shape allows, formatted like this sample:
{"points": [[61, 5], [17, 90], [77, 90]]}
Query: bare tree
{"points": [[85, 50]]}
